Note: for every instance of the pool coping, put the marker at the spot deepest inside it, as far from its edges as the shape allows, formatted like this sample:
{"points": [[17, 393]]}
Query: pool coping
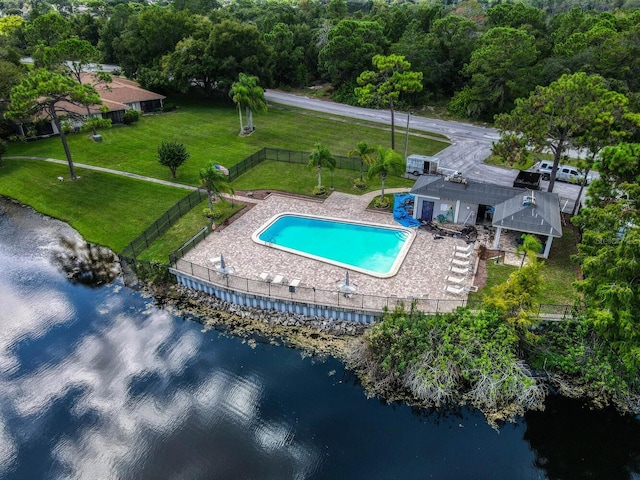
{"points": [[395, 267]]}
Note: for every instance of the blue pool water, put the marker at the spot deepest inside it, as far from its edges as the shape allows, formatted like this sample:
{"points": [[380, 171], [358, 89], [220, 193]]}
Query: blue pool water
{"points": [[373, 249]]}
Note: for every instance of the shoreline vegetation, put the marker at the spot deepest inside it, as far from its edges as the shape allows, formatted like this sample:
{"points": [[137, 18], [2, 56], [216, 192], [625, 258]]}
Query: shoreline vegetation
{"points": [[503, 393]]}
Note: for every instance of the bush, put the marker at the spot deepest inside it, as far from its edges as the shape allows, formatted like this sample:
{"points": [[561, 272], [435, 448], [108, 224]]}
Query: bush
{"points": [[131, 116], [319, 190], [359, 184], [172, 155], [7, 129], [212, 213], [381, 202]]}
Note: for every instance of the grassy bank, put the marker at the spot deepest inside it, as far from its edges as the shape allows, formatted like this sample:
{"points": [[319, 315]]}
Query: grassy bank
{"points": [[106, 209]]}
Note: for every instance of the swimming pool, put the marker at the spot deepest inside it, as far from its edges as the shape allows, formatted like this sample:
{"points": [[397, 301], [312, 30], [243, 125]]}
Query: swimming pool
{"points": [[376, 250]]}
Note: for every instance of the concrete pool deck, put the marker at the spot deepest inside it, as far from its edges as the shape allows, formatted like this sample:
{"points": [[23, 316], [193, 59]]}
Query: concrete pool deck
{"points": [[423, 274]]}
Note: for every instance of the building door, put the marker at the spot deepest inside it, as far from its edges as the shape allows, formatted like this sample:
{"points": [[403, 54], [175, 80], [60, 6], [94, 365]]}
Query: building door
{"points": [[427, 211]]}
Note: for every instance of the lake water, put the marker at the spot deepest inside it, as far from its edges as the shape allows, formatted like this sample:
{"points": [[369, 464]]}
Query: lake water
{"points": [[101, 384]]}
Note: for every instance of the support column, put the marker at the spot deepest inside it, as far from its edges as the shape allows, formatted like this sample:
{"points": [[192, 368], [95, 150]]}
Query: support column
{"points": [[547, 247], [496, 241]]}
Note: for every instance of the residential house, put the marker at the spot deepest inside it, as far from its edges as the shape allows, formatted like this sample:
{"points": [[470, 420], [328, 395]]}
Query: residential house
{"points": [[118, 96]]}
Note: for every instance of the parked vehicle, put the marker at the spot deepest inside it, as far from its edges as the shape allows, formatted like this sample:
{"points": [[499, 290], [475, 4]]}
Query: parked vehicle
{"points": [[422, 165], [571, 175], [565, 173], [530, 180], [543, 168]]}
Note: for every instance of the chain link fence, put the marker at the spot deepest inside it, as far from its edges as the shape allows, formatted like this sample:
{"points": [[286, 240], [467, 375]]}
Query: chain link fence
{"points": [[162, 224], [288, 156]]}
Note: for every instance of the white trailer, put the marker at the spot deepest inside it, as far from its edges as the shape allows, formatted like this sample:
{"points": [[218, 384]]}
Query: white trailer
{"points": [[422, 165]]}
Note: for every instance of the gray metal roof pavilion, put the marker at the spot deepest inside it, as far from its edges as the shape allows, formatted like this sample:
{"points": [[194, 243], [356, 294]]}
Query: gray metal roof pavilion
{"points": [[540, 216]]}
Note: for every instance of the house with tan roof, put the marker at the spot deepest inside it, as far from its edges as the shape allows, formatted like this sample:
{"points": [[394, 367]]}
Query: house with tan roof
{"points": [[121, 95], [117, 96]]}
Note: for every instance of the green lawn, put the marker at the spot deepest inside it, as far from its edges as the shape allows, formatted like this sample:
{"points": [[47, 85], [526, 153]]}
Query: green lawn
{"points": [[210, 133], [106, 209], [558, 273], [298, 178], [184, 229]]}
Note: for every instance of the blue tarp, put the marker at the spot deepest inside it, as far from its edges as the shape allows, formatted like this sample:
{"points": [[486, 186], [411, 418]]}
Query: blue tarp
{"points": [[403, 203]]}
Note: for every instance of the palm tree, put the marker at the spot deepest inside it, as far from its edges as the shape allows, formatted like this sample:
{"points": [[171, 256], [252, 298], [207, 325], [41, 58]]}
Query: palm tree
{"points": [[363, 151], [215, 183], [248, 94], [387, 161], [320, 157]]}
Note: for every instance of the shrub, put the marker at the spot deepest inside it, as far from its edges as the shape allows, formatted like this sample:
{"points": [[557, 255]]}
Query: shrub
{"points": [[381, 202], [172, 155], [319, 190], [212, 212], [131, 116], [359, 184]]}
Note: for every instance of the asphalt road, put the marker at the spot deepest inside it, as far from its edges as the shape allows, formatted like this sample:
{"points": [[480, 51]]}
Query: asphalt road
{"points": [[470, 144]]}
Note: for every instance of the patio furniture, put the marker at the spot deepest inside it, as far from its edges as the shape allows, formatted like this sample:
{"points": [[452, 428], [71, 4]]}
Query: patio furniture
{"points": [[459, 271], [462, 255], [460, 263], [215, 260], [278, 279], [456, 280], [455, 290], [293, 284], [265, 277], [467, 249]]}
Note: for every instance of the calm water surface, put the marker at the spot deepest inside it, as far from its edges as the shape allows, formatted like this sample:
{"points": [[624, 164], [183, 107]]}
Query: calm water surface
{"points": [[102, 384]]}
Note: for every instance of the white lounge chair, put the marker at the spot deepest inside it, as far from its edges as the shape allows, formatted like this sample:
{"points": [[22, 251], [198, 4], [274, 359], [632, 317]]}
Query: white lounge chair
{"points": [[265, 277], [467, 249], [293, 284], [462, 255], [278, 280], [460, 263], [456, 280], [459, 271], [215, 260], [455, 290]]}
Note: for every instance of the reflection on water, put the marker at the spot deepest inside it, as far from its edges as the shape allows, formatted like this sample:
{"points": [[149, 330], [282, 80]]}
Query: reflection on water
{"points": [[100, 384]]}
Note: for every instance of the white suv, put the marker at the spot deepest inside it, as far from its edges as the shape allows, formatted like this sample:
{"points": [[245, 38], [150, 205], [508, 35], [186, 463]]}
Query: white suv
{"points": [[565, 173]]}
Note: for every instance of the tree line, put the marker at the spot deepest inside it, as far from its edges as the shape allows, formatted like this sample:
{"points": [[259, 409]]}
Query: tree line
{"points": [[475, 59]]}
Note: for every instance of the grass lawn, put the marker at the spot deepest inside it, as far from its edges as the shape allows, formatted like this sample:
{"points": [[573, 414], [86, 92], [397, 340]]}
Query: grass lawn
{"points": [[106, 209], [558, 273], [298, 178], [184, 229], [210, 133]]}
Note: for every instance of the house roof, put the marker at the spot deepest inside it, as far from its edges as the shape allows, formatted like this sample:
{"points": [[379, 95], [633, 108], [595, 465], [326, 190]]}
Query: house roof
{"points": [[120, 92], [511, 211], [530, 212], [472, 192]]}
